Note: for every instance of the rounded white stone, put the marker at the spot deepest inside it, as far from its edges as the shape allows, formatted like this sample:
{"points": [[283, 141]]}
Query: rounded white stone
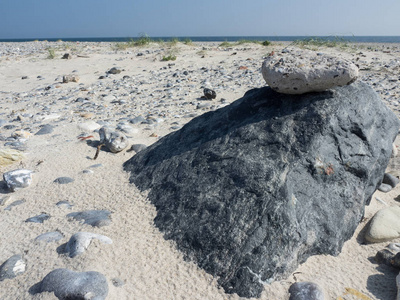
{"points": [[299, 72]]}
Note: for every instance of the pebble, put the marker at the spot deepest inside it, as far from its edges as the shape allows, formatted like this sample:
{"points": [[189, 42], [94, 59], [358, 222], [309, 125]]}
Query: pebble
{"points": [[67, 284], [114, 71], [18, 179], [38, 219], [390, 180], [305, 291], [63, 180], [46, 129], [384, 226], [95, 218], [89, 126], [12, 267], [113, 140], [138, 147], [79, 242], [209, 94], [64, 204], [385, 188], [15, 203], [4, 200], [49, 237], [117, 282]]}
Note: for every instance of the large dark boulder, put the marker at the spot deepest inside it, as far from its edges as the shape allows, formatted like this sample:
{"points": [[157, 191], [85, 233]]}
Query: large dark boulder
{"points": [[253, 189]]}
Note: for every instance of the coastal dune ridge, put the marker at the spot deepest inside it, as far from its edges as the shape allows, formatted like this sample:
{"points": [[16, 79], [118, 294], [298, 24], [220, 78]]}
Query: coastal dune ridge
{"points": [[51, 126]]}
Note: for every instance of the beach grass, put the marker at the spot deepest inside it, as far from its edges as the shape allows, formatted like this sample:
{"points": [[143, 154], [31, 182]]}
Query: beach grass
{"points": [[315, 43], [169, 57], [227, 44], [52, 53]]}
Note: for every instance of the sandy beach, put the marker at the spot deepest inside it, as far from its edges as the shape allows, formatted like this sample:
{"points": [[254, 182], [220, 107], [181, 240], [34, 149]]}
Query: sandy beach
{"points": [[147, 100]]}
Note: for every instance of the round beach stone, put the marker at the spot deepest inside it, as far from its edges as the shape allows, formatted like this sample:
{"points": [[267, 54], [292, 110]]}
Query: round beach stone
{"points": [[67, 284], [303, 71], [12, 267], [385, 225], [18, 179], [305, 291], [114, 141]]}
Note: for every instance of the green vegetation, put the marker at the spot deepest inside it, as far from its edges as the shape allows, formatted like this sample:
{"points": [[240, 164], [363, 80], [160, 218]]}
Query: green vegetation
{"points": [[266, 43], [52, 53], [315, 43], [143, 40], [169, 57], [188, 42], [227, 44], [173, 42]]}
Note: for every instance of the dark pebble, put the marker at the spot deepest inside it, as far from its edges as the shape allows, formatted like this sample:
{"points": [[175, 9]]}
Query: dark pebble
{"points": [[12, 267], [49, 237], [46, 129], [15, 203], [63, 180], [390, 180], [95, 218], [38, 219]]}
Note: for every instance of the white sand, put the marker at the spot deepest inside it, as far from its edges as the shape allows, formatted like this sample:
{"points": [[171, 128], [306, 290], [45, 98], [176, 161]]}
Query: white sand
{"points": [[150, 266]]}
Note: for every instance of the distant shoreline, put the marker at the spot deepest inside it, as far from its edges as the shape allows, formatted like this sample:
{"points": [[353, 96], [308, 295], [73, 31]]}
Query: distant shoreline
{"points": [[350, 39]]}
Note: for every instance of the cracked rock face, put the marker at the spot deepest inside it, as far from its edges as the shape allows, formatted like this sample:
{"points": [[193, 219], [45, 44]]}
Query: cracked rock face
{"points": [[253, 189], [302, 71]]}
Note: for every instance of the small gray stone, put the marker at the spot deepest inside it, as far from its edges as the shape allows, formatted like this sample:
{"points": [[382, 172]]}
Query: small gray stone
{"points": [[390, 180], [48, 237], [87, 171], [114, 141], [12, 267], [15, 203], [117, 282], [67, 56], [63, 180], [385, 188], [305, 291], [64, 204], [209, 94], [137, 120], [4, 200], [46, 129], [95, 218], [114, 71], [384, 226], [67, 284], [138, 147], [80, 241], [18, 179], [38, 219], [96, 166]]}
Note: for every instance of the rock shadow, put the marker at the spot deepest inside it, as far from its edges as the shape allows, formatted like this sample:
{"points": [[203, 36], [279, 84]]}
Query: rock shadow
{"points": [[383, 286]]}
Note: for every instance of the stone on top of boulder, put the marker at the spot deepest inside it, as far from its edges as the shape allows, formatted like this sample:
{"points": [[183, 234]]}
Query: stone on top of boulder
{"points": [[301, 71], [251, 190]]}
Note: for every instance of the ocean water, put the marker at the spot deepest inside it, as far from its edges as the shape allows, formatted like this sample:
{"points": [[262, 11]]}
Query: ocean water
{"points": [[356, 39]]}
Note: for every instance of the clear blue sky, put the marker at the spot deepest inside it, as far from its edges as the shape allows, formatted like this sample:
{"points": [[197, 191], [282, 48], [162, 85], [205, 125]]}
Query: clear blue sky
{"points": [[129, 18]]}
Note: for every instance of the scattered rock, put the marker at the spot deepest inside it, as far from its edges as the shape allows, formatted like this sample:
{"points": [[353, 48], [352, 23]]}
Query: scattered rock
{"points": [[390, 180], [15, 203], [49, 237], [117, 282], [64, 204], [114, 71], [67, 56], [18, 179], [4, 200], [46, 129], [64, 180], [95, 218], [38, 219], [12, 267], [113, 140], [209, 94], [269, 165], [70, 78], [24, 77], [80, 241], [384, 188], [305, 291], [67, 284], [89, 126], [138, 147], [299, 72], [384, 226]]}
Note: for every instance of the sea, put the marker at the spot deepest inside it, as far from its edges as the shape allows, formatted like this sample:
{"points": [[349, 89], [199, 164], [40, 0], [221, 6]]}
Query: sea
{"points": [[354, 39]]}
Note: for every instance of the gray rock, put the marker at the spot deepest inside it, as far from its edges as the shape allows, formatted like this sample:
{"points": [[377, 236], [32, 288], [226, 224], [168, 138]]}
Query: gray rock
{"points": [[79, 242], [113, 140], [67, 56], [48, 237], [15, 203], [114, 71], [137, 120], [67, 284], [12, 267], [63, 180], [390, 180], [18, 179], [46, 129], [64, 204], [299, 72], [95, 218], [251, 190], [38, 219], [138, 147], [305, 291], [117, 282], [385, 188], [209, 94]]}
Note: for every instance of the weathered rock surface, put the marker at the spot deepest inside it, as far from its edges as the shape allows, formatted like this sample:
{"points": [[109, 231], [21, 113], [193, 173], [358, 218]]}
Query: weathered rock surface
{"points": [[113, 140], [302, 71], [80, 241], [251, 190], [18, 179], [384, 226], [305, 291], [68, 284], [12, 267]]}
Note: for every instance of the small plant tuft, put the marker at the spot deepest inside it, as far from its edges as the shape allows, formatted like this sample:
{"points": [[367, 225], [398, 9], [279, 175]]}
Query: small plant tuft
{"points": [[225, 44], [188, 42], [169, 57], [266, 43], [52, 53]]}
